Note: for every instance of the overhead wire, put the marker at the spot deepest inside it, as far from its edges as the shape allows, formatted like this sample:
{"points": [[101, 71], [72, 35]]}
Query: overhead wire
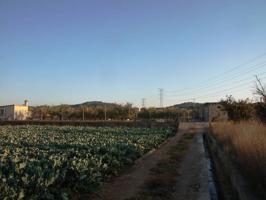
{"points": [[219, 75], [228, 91], [234, 76], [222, 84]]}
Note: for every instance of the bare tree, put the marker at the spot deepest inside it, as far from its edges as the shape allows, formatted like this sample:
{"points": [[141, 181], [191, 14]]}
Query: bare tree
{"points": [[261, 106], [260, 89]]}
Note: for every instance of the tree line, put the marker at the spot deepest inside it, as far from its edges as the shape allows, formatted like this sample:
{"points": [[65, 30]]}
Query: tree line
{"points": [[101, 112], [245, 109], [237, 110]]}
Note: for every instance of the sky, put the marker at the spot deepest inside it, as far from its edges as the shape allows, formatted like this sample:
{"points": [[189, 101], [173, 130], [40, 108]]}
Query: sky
{"points": [[72, 51]]}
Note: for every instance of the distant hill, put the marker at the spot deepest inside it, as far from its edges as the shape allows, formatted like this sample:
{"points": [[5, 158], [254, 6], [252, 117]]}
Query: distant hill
{"points": [[187, 105], [191, 105], [93, 104], [88, 103]]}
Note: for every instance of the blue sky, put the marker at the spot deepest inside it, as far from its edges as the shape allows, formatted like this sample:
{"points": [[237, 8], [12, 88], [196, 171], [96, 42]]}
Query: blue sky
{"points": [[66, 51]]}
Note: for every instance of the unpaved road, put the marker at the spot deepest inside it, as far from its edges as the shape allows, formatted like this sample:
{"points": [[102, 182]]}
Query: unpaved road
{"points": [[192, 183]]}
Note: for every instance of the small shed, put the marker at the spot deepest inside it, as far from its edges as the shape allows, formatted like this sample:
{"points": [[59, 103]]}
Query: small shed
{"points": [[214, 112], [15, 112]]}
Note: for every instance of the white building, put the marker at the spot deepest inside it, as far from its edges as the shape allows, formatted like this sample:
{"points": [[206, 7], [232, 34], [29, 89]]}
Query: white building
{"points": [[214, 112], [15, 112]]}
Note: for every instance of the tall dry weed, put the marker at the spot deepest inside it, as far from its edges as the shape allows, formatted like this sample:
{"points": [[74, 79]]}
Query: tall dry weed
{"points": [[246, 143]]}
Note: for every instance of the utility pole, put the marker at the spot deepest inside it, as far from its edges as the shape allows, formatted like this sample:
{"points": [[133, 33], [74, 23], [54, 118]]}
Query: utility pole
{"points": [[161, 92], [61, 114], [128, 111], [83, 114], [143, 100], [194, 109], [105, 111]]}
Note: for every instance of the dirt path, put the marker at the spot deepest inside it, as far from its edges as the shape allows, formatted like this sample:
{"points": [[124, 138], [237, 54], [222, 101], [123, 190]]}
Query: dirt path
{"points": [[192, 184], [129, 184]]}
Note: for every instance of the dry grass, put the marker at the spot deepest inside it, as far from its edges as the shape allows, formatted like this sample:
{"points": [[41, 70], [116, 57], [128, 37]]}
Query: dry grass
{"points": [[246, 143]]}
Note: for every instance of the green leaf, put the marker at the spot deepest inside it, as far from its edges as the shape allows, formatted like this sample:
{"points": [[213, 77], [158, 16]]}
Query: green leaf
{"points": [[64, 196], [21, 194], [22, 165]]}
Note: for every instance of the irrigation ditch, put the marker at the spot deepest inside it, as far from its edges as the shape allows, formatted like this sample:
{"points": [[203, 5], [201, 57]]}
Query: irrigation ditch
{"points": [[214, 189]]}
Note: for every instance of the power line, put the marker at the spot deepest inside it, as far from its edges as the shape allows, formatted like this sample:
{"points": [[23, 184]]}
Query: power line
{"points": [[222, 81], [216, 96], [224, 73], [236, 89], [222, 84], [240, 65], [240, 86], [228, 90], [235, 76]]}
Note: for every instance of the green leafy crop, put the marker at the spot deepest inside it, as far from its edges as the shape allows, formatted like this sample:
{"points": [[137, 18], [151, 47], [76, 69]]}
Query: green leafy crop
{"points": [[52, 162]]}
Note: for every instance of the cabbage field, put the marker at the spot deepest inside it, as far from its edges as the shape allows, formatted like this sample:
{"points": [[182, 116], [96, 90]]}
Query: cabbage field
{"points": [[53, 162]]}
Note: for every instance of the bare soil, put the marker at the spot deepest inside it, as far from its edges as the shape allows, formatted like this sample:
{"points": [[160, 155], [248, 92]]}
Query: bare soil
{"points": [[192, 183], [130, 184]]}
